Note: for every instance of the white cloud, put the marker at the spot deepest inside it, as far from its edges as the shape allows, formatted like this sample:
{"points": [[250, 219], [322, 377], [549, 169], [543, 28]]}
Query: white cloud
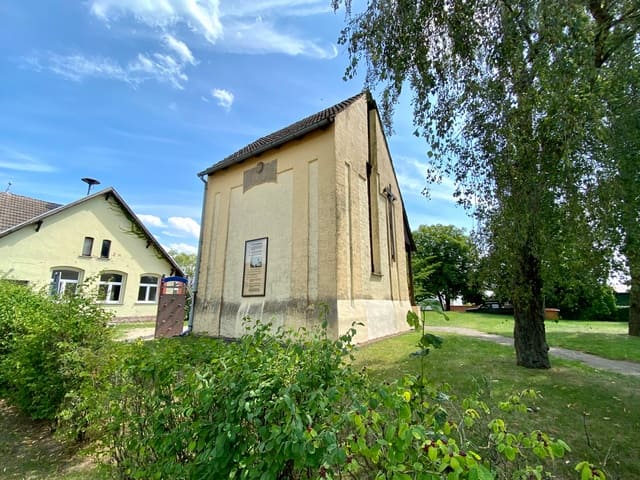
{"points": [[182, 247], [14, 160], [185, 224], [239, 27], [180, 48], [151, 220], [249, 28], [288, 8], [76, 67], [163, 68], [160, 67], [202, 16], [225, 97], [258, 35]]}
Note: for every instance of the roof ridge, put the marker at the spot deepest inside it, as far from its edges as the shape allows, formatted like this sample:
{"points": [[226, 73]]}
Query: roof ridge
{"points": [[283, 135]]}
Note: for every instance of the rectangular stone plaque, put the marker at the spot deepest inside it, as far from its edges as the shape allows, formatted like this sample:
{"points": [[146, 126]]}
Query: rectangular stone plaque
{"points": [[255, 267], [262, 172]]}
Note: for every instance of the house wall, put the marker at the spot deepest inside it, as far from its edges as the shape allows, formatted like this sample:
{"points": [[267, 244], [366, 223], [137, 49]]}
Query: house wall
{"points": [[316, 217], [296, 213], [30, 255], [373, 292]]}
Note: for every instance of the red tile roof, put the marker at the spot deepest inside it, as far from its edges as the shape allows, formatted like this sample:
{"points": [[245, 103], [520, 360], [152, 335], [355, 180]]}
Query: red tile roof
{"points": [[284, 135], [16, 209]]}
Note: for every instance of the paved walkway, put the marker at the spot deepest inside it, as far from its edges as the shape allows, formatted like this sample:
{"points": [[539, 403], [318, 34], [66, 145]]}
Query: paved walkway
{"points": [[618, 366]]}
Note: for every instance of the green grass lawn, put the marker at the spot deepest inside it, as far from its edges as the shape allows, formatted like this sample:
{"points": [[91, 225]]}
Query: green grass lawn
{"points": [[595, 412], [125, 327], [606, 339]]}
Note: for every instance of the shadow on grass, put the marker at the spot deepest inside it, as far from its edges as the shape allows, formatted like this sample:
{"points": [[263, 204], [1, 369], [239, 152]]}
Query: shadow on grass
{"points": [[29, 450]]}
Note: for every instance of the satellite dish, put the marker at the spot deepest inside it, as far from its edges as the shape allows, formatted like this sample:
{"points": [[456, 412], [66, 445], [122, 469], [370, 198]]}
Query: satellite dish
{"points": [[90, 182]]}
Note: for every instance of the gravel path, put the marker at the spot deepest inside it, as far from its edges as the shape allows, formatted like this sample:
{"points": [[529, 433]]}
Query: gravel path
{"points": [[618, 366]]}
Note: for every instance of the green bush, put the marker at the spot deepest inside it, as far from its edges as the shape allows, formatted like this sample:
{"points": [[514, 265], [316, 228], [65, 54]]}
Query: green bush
{"points": [[287, 406], [581, 303], [622, 314], [46, 344]]}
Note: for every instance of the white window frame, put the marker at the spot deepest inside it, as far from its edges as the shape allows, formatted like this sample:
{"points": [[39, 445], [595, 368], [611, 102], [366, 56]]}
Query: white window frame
{"points": [[59, 286], [148, 288], [110, 287]]}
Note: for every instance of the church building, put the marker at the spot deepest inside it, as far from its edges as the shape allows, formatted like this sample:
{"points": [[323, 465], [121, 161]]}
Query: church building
{"points": [[304, 225]]}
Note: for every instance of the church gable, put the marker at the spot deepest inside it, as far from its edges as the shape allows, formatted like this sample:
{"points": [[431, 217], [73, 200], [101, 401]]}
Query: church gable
{"points": [[314, 219]]}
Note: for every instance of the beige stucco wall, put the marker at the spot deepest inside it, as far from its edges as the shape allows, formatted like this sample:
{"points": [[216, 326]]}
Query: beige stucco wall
{"points": [[295, 214], [31, 255], [316, 217], [378, 299]]}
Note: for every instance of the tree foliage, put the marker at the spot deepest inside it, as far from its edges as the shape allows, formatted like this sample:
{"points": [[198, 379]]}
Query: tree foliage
{"points": [[187, 262], [506, 93], [443, 263], [619, 142]]}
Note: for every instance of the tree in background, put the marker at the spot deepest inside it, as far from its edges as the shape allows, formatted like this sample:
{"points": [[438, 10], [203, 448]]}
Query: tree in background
{"points": [[187, 262], [443, 263], [506, 93], [620, 147]]}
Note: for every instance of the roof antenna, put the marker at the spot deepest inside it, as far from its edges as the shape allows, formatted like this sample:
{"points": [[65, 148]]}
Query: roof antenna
{"points": [[8, 187], [90, 182]]}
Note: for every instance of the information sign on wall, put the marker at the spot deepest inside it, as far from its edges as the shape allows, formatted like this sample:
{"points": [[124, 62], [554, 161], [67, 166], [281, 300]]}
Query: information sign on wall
{"points": [[255, 267]]}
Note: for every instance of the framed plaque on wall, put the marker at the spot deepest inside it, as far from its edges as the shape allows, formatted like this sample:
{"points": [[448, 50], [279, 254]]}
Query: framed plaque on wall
{"points": [[254, 277]]}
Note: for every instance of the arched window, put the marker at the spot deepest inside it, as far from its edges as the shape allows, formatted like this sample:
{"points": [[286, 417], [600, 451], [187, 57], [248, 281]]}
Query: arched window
{"points": [[64, 280], [111, 287], [148, 290]]}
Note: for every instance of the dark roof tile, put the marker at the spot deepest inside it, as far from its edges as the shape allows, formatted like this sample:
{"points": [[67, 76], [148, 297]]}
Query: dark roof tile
{"points": [[284, 135], [16, 209]]}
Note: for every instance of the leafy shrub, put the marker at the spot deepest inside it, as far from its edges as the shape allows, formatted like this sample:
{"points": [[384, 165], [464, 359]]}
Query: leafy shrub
{"points": [[622, 314], [195, 407], [45, 346], [577, 302], [289, 406]]}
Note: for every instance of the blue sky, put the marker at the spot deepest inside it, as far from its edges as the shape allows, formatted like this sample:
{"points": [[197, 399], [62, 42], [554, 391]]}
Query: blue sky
{"points": [[144, 94]]}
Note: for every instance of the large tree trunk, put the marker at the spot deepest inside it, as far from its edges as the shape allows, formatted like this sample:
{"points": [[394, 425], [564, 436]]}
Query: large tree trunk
{"points": [[441, 300], [529, 336]]}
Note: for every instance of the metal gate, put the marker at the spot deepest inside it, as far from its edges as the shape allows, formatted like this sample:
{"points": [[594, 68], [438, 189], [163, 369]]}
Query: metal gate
{"points": [[171, 307]]}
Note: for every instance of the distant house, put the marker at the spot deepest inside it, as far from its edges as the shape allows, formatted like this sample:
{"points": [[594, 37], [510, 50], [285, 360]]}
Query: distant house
{"points": [[97, 241], [307, 219]]}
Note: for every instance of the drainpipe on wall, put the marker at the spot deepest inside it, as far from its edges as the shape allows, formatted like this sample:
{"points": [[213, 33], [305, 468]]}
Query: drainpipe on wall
{"points": [[196, 274]]}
